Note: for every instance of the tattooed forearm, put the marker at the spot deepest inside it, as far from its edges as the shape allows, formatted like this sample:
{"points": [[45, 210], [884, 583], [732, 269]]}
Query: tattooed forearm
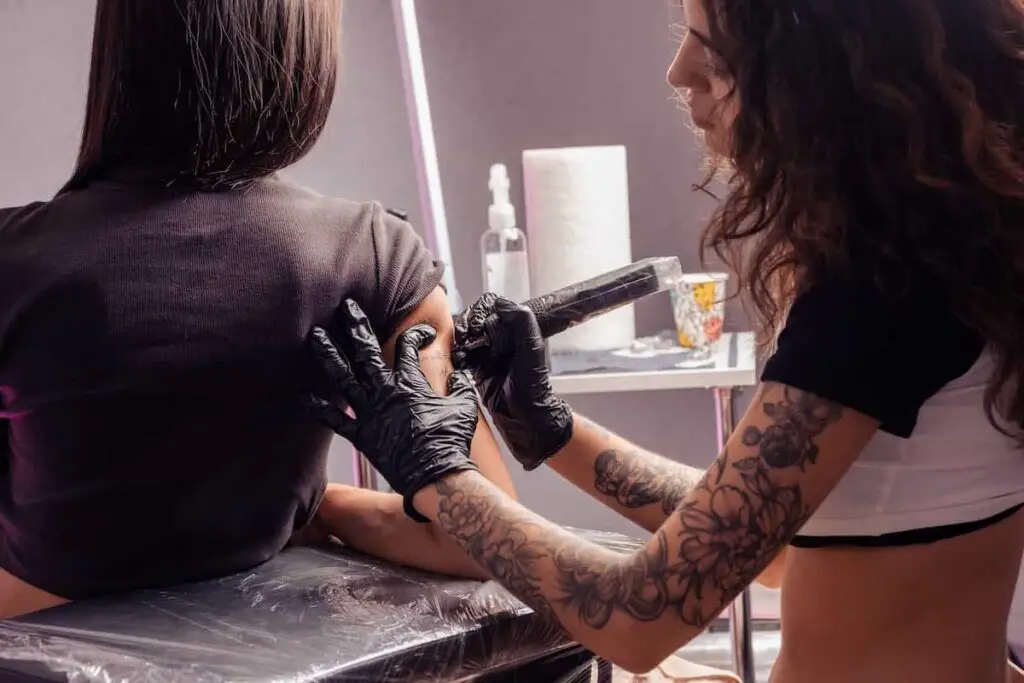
{"points": [[636, 479], [725, 532], [513, 551]]}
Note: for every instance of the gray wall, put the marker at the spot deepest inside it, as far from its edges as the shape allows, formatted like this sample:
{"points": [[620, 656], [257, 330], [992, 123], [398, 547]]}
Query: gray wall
{"points": [[504, 76]]}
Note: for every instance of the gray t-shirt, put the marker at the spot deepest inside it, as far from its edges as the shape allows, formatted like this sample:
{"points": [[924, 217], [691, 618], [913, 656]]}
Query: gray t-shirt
{"points": [[151, 368]]}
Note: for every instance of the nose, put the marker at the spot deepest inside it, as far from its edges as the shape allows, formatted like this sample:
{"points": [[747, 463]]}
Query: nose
{"points": [[685, 70]]}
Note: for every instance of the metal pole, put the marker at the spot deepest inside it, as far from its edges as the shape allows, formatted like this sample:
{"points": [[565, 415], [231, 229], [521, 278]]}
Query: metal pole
{"points": [[428, 171], [739, 611], [363, 474]]}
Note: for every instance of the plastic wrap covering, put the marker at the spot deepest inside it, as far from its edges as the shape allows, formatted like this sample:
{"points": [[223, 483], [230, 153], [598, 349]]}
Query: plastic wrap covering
{"points": [[307, 615]]}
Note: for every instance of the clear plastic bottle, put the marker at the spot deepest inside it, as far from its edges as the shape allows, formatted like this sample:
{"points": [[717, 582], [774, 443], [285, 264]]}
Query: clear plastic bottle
{"points": [[506, 266]]}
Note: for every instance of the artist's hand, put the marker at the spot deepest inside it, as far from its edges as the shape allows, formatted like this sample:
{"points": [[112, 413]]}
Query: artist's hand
{"points": [[512, 376], [410, 434]]}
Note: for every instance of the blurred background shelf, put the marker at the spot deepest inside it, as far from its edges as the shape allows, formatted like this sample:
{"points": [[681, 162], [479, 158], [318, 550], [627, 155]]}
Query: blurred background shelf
{"points": [[733, 364]]}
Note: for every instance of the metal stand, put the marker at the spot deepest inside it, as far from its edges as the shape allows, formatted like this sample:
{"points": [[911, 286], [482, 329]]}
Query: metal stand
{"points": [[739, 611], [428, 171], [363, 474]]}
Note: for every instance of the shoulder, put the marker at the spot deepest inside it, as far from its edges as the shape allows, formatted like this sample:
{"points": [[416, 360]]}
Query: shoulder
{"points": [[355, 222], [873, 351], [305, 202], [12, 218], [373, 252]]}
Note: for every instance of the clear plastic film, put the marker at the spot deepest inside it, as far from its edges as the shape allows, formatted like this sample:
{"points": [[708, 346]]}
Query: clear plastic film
{"points": [[307, 615]]}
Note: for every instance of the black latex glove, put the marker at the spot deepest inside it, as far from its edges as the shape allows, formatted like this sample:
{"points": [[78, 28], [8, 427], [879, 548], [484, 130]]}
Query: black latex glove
{"points": [[512, 377], [410, 434]]}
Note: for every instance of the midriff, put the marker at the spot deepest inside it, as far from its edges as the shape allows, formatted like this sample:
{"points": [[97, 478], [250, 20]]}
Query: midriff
{"points": [[933, 613]]}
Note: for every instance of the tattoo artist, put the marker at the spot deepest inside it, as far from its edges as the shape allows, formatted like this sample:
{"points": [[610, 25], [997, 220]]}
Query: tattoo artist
{"points": [[874, 209]]}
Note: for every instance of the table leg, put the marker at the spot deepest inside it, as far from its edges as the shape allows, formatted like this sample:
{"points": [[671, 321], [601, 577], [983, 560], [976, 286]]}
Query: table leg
{"points": [[363, 474], [739, 611]]}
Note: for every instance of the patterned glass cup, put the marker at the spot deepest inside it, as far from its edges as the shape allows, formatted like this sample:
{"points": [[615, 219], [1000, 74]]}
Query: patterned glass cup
{"points": [[698, 304]]}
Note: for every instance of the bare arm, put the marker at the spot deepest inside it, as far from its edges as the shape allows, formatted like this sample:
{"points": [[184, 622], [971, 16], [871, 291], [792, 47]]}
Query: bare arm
{"points": [[639, 485], [374, 521], [437, 366], [789, 451]]}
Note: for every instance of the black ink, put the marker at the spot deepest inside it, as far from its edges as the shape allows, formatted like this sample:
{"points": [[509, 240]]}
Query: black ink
{"points": [[797, 419], [636, 479]]}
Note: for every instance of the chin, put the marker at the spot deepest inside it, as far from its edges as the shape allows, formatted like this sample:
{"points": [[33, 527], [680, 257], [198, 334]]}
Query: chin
{"points": [[713, 142]]}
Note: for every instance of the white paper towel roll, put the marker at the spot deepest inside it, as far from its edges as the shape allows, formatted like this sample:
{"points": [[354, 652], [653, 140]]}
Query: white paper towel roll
{"points": [[577, 226]]}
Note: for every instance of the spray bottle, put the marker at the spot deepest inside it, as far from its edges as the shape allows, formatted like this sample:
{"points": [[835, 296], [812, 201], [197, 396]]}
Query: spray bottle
{"points": [[503, 246]]}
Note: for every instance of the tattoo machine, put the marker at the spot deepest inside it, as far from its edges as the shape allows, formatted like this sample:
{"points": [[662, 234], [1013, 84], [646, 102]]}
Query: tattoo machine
{"points": [[570, 306]]}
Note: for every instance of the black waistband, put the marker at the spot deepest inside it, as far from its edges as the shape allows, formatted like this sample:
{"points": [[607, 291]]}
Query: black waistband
{"points": [[900, 538]]}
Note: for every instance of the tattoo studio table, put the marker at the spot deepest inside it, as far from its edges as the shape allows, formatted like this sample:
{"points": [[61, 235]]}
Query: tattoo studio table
{"points": [[732, 367]]}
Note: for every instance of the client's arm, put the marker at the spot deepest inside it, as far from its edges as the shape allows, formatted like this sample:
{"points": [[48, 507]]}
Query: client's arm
{"points": [[437, 366], [373, 521]]}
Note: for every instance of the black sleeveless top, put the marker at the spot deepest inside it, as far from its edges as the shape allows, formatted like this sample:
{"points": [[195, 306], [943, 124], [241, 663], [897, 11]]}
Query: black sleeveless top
{"points": [[150, 364]]}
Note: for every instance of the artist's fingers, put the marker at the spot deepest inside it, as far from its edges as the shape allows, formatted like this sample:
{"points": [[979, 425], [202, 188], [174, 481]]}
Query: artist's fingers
{"points": [[470, 322], [365, 352], [515, 317], [461, 385], [407, 354], [337, 367], [331, 416]]}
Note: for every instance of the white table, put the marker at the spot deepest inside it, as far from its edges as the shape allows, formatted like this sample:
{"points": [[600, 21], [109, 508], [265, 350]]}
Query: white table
{"points": [[734, 368]]}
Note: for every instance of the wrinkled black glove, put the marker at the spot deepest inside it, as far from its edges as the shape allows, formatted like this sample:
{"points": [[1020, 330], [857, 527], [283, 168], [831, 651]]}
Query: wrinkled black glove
{"points": [[512, 376], [411, 435]]}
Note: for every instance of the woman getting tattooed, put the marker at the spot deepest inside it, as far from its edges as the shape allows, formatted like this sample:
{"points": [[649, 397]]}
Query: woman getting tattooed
{"points": [[874, 215]]}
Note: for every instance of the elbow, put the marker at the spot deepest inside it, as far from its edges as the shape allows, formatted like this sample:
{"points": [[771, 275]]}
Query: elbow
{"points": [[637, 665], [638, 661], [639, 653]]}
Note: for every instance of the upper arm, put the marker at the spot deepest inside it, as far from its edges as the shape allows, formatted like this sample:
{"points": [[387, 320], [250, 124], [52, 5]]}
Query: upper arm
{"points": [[437, 366], [404, 290]]}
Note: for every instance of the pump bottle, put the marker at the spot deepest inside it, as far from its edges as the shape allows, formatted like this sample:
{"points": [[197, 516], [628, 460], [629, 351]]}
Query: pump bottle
{"points": [[506, 266]]}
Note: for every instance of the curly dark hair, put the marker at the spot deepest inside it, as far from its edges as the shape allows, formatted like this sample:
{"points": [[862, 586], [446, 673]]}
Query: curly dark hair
{"points": [[885, 136]]}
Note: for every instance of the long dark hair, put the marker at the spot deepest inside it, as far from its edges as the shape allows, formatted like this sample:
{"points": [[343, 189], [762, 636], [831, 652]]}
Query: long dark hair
{"points": [[885, 136], [208, 93]]}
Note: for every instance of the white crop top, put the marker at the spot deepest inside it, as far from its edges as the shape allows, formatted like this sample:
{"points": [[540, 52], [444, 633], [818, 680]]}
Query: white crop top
{"points": [[937, 467]]}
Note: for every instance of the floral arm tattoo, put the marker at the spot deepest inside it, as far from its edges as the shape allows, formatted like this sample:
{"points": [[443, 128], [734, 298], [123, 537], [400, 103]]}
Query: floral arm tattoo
{"points": [[722, 534], [643, 487], [636, 479]]}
